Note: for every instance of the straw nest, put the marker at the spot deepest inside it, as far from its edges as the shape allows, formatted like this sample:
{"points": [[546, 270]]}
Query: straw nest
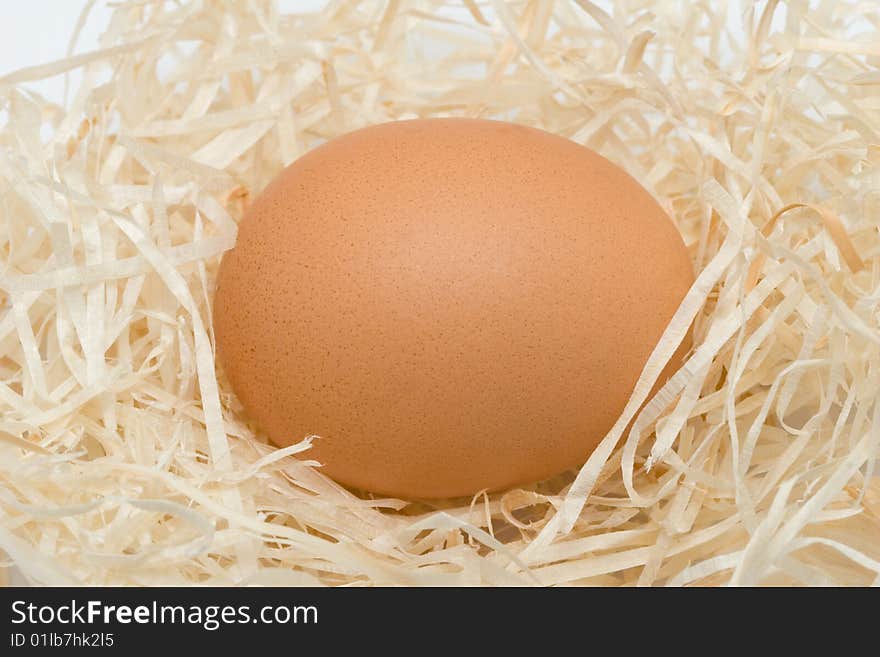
{"points": [[125, 458]]}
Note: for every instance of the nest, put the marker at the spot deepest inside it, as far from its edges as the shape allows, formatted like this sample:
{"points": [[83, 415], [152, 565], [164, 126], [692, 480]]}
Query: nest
{"points": [[125, 458]]}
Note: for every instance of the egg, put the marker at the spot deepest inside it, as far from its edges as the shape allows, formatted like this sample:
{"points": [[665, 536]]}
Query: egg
{"points": [[450, 305]]}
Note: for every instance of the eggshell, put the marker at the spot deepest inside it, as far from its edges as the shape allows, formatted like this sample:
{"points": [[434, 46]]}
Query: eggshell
{"points": [[450, 304]]}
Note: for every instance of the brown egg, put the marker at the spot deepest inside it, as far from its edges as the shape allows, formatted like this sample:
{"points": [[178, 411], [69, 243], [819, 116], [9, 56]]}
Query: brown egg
{"points": [[450, 304]]}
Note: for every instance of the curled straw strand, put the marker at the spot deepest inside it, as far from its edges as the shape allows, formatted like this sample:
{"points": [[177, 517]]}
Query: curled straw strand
{"points": [[832, 224]]}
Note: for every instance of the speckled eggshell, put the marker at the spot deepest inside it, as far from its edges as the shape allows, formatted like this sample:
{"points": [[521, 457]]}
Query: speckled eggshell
{"points": [[450, 304]]}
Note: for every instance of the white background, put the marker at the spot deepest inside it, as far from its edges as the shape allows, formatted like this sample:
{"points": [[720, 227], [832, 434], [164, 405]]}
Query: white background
{"points": [[38, 31]]}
